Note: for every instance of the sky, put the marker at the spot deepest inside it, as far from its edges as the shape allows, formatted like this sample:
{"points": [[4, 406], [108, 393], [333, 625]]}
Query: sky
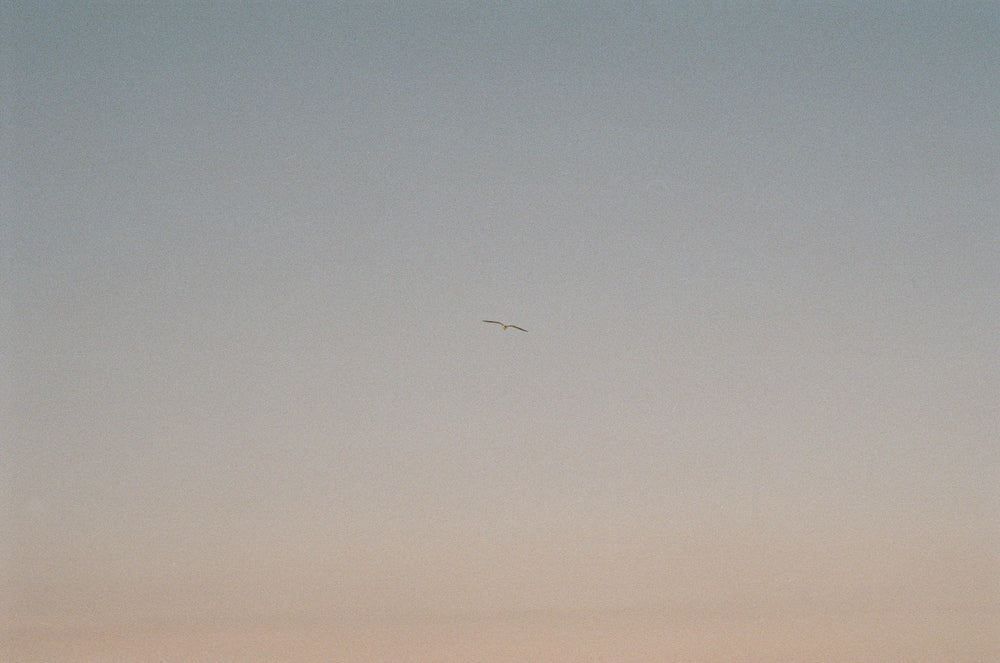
{"points": [[251, 411]]}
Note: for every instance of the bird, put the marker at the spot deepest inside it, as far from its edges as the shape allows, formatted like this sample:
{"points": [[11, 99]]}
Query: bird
{"points": [[495, 322]]}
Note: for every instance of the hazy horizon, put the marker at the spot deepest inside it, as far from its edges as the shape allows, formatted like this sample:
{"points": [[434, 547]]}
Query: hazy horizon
{"points": [[252, 411]]}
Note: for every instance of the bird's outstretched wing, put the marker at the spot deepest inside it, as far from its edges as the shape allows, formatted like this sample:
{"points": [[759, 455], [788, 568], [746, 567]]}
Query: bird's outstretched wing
{"points": [[504, 325]]}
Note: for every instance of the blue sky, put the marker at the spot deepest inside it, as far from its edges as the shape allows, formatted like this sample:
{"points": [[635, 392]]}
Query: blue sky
{"points": [[248, 250]]}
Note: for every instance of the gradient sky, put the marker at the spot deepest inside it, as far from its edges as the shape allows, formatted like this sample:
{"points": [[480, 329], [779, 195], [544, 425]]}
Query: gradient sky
{"points": [[247, 250]]}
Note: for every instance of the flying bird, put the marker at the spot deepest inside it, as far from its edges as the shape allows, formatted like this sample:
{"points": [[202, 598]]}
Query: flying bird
{"points": [[494, 322]]}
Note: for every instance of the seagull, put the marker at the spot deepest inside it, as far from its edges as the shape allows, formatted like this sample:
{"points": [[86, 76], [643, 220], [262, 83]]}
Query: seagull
{"points": [[495, 322]]}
